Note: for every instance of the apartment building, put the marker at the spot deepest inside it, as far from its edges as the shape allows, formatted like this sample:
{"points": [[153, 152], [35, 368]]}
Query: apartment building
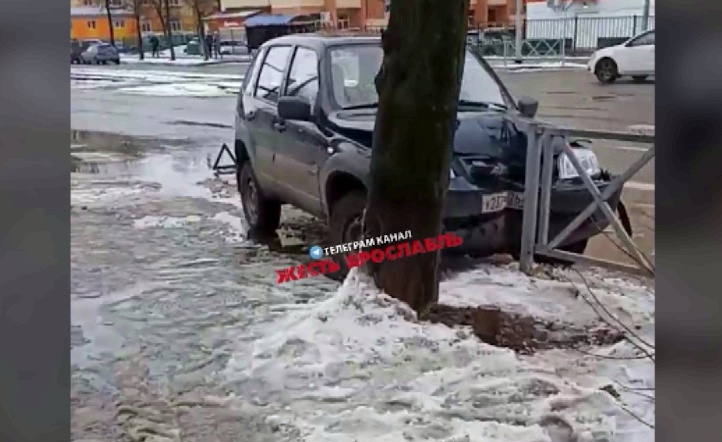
{"points": [[341, 13], [492, 13], [91, 22]]}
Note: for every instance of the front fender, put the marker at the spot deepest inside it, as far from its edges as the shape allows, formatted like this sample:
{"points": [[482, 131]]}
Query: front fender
{"points": [[348, 160]]}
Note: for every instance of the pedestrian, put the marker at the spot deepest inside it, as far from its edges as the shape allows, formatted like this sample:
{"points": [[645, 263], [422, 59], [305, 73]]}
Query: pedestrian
{"points": [[154, 43], [209, 45], [217, 45]]}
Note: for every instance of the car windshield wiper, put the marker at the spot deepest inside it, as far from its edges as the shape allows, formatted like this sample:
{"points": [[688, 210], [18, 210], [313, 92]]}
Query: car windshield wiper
{"points": [[482, 104], [362, 106]]}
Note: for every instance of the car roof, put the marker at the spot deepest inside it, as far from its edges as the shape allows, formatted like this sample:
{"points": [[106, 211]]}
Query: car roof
{"points": [[322, 40]]}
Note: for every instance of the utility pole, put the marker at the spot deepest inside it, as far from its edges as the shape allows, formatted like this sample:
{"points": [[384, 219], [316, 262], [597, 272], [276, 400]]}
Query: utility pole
{"points": [[518, 23], [645, 16]]}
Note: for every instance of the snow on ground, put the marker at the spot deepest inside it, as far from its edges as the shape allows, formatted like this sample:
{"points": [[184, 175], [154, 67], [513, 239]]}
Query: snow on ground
{"points": [[358, 366], [181, 90], [182, 59], [535, 66], [161, 76]]}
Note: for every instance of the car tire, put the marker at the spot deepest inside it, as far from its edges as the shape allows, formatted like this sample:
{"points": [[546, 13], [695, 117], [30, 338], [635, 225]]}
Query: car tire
{"points": [[639, 78], [346, 215], [262, 214], [117, 61], [606, 71]]}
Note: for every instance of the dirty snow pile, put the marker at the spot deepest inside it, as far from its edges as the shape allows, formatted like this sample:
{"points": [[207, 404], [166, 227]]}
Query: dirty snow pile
{"points": [[358, 366]]}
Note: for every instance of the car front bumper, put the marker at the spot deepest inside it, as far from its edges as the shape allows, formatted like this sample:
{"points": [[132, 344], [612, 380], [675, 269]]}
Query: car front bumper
{"points": [[500, 231]]}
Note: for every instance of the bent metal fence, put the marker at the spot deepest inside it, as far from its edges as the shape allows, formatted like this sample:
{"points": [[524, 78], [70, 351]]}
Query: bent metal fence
{"points": [[538, 190]]}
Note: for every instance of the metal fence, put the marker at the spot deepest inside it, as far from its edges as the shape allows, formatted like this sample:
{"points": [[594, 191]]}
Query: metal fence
{"points": [[537, 199]]}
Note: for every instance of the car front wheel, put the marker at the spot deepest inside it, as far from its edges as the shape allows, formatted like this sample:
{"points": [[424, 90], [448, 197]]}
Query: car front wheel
{"points": [[262, 214], [345, 225], [606, 71]]}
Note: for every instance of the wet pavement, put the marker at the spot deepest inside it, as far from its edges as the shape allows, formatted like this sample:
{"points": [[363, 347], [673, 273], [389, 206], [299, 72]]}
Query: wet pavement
{"points": [[176, 316]]}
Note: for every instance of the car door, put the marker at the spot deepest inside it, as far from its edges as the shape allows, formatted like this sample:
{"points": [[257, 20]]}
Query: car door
{"points": [[304, 148], [261, 116], [637, 56]]}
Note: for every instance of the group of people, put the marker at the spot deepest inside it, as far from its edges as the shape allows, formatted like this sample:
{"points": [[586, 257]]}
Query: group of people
{"points": [[212, 43]]}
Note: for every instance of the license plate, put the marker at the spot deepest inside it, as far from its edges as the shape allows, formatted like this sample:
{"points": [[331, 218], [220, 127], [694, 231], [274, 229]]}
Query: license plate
{"points": [[515, 200], [495, 202]]}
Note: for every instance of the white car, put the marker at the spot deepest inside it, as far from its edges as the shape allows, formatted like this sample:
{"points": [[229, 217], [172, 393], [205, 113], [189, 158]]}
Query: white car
{"points": [[634, 58]]}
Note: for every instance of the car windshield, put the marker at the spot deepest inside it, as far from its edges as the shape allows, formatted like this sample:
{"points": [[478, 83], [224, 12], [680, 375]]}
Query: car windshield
{"points": [[354, 68]]}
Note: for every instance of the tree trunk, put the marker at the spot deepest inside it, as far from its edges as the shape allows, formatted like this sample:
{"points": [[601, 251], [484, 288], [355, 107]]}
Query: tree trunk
{"points": [[169, 34], [138, 32], [201, 31], [418, 88], [110, 22]]}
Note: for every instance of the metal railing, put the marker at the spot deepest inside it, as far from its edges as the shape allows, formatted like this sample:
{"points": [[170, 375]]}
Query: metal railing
{"points": [[538, 190]]}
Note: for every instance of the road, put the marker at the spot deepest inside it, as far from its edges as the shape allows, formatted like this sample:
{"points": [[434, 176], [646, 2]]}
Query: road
{"points": [[179, 330]]}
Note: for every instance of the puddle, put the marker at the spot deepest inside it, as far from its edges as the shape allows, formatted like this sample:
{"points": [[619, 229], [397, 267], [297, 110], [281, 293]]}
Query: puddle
{"points": [[97, 152]]}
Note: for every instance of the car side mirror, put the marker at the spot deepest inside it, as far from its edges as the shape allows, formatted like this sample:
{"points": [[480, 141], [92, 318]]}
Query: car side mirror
{"points": [[294, 108], [528, 107]]}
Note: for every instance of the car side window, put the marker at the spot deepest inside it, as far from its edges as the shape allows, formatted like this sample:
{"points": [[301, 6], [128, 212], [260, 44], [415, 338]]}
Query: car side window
{"points": [[250, 79], [643, 40], [303, 77], [271, 77]]}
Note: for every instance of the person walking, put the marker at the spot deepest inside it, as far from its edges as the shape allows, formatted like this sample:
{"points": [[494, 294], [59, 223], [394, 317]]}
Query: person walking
{"points": [[209, 45], [217, 45], [154, 44]]}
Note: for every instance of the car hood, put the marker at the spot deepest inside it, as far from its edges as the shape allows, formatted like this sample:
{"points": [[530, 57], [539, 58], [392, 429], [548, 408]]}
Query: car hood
{"points": [[491, 134]]}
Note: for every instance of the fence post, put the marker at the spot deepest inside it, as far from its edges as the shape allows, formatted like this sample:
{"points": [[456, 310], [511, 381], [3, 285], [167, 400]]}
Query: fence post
{"points": [[531, 198], [634, 26], [574, 39]]}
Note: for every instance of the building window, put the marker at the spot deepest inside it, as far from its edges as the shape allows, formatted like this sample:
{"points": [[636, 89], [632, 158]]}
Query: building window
{"points": [[88, 2], [145, 27], [91, 24], [146, 2], [119, 24], [343, 21], [175, 25], [174, 2]]}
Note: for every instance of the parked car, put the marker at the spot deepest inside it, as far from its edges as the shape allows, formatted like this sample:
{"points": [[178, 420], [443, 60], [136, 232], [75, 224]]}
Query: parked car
{"points": [[634, 58], [304, 125], [233, 47], [77, 47], [100, 54]]}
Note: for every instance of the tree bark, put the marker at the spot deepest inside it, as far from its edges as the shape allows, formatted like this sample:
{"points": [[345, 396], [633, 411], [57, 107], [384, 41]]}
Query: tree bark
{"points": [[169, 34], [110, 22], [200, 30], [136, 5], [418, 87]]}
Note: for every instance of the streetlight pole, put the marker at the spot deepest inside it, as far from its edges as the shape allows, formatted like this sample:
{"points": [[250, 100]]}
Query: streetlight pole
{"points": [[518, 23], [645, 16]]}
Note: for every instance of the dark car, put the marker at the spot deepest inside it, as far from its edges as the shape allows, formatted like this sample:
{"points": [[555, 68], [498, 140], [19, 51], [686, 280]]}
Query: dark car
{"points": [[304, 124]]}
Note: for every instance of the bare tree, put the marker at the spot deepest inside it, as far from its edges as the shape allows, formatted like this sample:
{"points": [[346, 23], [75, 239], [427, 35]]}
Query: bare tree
{"points": [[110, 22], [200, 9], [137, 9], [418, 87], [162, 9]]}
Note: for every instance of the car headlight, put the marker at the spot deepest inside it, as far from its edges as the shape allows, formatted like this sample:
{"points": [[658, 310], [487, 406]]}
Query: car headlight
{"points": [[586, 157], [452, 175]]}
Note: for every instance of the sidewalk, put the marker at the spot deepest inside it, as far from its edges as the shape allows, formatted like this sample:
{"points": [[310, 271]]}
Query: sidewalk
{"points": [[183, 60]]}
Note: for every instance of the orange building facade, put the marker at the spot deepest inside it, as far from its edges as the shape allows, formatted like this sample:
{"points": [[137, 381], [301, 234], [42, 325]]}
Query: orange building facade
{"points": [[91, 22]]}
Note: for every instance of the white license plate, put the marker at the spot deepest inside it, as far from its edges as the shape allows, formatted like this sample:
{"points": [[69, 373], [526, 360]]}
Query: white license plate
{"points": [[495, 202], [515, 200]]}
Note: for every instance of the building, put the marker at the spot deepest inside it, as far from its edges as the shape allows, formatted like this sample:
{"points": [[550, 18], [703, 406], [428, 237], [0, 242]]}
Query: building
{"points": [[339, 13], [492, 13], [91, 22]]}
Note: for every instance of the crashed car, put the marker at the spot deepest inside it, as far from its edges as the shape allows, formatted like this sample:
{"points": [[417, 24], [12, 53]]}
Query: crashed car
{"points": [[304, 125]]}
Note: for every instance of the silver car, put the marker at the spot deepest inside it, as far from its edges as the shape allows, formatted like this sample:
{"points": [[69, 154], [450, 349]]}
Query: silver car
{"points": [[233, 47], [101, 53]]}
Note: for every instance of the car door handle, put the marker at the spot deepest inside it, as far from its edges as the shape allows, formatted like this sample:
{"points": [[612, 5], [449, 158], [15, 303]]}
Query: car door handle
{"points": [[250, 115], [279, 126]]}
